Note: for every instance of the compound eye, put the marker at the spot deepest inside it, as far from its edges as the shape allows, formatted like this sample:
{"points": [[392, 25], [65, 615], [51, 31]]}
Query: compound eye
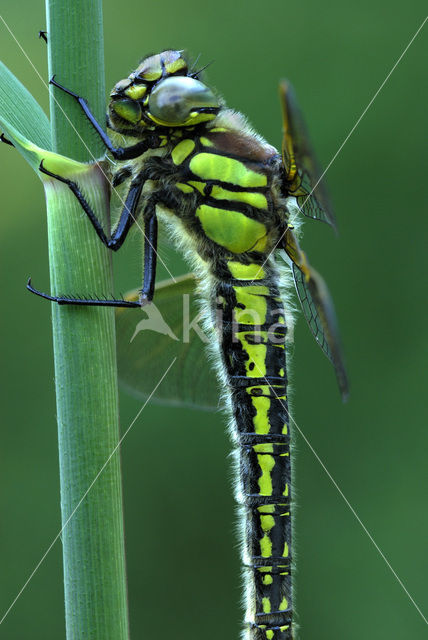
{"points": [[128, 110], [174, 99]]}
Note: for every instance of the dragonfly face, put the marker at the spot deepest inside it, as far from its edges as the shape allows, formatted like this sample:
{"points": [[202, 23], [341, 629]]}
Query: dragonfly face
{"points": [[161, 93]]}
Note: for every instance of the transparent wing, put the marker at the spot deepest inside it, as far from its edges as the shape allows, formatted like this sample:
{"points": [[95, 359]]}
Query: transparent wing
{"points": [[303, 173], [318, 309], [310, 308], [150, 339]]}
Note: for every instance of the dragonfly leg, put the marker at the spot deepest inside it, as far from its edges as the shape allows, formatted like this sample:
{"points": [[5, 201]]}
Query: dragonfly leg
{"points": [[6, 140], [127, 216], [129, 213], [126, 220], [150, 254], [120, 153], [150, 240], [74, 188], [83, 301], [43, 35], [121, 176]]}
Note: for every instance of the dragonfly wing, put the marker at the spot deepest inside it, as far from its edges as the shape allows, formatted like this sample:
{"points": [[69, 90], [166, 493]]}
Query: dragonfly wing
{"points": [[318, 309], [148, 341], [303, 172]]}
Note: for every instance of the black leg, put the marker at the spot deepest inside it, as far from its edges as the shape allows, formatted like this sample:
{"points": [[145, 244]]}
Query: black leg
{"points": [[126, 220], [6, 140], [121, 176], [150, 255], [127, 217], [73, 186], [120, 153], [43, 35], [84, 302], [150, 240]]}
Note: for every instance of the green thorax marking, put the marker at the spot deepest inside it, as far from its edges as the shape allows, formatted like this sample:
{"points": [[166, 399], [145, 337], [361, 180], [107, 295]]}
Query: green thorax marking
{"points": [[233, 191]]}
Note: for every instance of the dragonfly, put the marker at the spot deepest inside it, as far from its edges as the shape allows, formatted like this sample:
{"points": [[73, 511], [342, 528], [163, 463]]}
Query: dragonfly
{"points": [[233, 203]]}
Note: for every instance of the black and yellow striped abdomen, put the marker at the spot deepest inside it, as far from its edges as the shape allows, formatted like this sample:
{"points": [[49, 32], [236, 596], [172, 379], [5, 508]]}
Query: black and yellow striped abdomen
{"points": [[253, 352], [226, 188]]}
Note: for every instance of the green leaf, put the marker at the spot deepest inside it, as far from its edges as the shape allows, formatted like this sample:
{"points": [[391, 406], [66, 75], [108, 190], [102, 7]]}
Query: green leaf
{"points": [[54, 162], [21, 118]]}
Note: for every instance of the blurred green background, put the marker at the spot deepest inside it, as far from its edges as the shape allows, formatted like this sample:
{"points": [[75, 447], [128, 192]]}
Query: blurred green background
{"points": [[182, 556]]}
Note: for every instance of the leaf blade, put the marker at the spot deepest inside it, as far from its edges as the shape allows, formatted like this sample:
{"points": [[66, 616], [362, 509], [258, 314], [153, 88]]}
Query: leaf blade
{"points": [[20, 112]]}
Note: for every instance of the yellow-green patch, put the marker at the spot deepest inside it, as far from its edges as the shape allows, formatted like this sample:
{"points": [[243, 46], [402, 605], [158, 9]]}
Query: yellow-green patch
{"points": [[185, 188], [206, 142], [230, 229], [285, 493], [209, 166], [265, 546], [266, 464], [266, 508], [267, 523], [182, 150], [266, 390], [256, 289], [261, 419], [150, 74], [257, 200], [255, 306], [136, 91], [246, 271], [256, 356], [200, 186], [176, 65], [263, 447], [266, 605]]}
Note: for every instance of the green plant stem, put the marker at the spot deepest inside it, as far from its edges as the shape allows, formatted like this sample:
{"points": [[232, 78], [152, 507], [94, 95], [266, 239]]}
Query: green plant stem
{"points": [[84, 341]]}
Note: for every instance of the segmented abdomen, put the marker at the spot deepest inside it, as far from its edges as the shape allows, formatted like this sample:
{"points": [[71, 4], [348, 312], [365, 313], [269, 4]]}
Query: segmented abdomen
{"points": [[253, 351]]}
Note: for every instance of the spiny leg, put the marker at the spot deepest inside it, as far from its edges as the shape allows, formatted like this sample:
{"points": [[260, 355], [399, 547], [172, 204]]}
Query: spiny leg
{"points": [[85, 302], [147, 291], [126, 220]]}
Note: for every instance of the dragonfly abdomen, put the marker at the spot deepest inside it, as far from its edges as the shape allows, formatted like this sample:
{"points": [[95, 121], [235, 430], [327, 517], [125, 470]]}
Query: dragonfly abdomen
{"points": [[253, 354]]}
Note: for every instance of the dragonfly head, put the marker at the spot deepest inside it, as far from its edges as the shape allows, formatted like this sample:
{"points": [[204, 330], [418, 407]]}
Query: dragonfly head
{"points": [[161, 92]]}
